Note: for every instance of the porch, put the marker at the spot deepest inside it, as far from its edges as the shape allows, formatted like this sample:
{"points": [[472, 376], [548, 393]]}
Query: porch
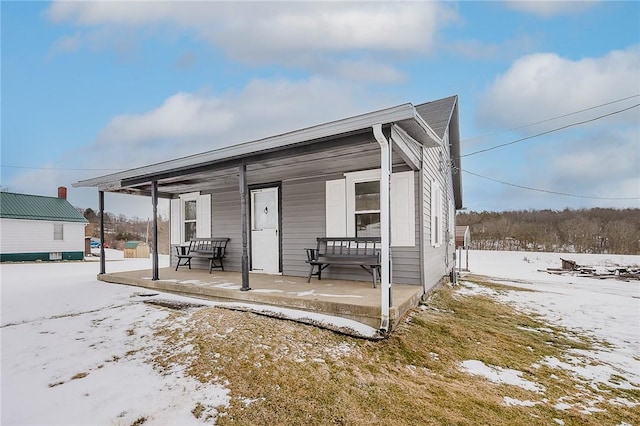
{"points": [[355, 300]]}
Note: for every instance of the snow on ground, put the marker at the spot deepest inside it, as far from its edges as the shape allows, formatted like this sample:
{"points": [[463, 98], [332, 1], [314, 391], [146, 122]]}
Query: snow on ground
{"points": [[605, 309], [74, 349]]}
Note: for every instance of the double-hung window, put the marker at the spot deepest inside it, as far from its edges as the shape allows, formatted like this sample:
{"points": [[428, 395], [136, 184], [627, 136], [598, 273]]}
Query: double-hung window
{"points": [[189, 222], [58, 231], [367, 209]]}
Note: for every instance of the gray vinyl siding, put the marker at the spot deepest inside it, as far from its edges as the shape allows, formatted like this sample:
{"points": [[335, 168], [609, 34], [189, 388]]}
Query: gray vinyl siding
{"points": [[225, 222], [406, 260], [303, 220], [437, 261], [303, 207]]}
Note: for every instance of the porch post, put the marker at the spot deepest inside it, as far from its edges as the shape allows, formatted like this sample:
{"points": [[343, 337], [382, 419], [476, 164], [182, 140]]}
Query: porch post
{"points": [[243, 219], [154, 257], [101, 209]]}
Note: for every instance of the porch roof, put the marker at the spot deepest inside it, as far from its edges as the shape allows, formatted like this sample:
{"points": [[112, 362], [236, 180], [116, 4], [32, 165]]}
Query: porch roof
{"points": [[225, 160]]}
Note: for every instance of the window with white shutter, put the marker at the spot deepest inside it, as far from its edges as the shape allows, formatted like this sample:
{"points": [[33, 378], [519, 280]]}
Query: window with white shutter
{"points": [[353, 206], [190, 217]]}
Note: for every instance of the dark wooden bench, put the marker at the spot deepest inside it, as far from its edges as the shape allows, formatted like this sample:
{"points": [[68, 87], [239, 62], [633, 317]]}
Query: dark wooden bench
{"points": [[212, 249], [360, 251]]}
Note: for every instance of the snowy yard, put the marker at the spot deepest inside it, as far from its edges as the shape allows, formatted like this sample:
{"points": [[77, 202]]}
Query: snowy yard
{"points": [[76, 350]]}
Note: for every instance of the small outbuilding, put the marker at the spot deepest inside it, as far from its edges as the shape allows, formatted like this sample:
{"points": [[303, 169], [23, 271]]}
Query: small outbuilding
{"points": [[136, 249], [463, 241], [34, 227]]}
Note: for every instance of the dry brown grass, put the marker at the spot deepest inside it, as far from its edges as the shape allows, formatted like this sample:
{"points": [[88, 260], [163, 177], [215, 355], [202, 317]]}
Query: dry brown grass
{"points": [[284, 373]]}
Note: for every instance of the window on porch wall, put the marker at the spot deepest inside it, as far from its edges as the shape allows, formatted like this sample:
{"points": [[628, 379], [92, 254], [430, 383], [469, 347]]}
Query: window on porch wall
{"points": [[190, 217], [367, 209], [353, 206]]}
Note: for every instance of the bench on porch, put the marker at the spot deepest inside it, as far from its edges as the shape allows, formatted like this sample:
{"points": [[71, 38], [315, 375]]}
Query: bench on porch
{"points": [[359, 251], [212, 249]]}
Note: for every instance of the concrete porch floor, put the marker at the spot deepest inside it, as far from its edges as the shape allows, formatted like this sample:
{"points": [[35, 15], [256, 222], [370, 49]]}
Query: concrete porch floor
{"points": [[355, 300]]}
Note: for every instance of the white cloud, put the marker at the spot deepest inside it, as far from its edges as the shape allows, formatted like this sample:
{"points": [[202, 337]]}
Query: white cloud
{"points": [[547, 9], [183, 116], [68, 44], [188, 123], [602, 164], [291, 33], [545, 85], [476, 49]]}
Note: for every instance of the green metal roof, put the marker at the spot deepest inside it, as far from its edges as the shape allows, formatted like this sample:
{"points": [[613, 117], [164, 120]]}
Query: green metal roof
{"points": [[37, 207], [133, 244]]}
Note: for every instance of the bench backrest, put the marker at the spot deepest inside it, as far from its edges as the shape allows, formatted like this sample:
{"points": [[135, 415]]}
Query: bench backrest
{"points": [[216, 246], [356, 246]]}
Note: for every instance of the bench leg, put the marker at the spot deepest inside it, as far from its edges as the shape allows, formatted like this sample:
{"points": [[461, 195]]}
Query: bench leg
{"points": [[310, 273], [318, 273], [187, 263], [375, 277]]}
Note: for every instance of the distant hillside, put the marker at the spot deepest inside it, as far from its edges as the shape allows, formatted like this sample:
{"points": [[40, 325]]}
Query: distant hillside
{"points": [[576, 231], [120, 229]]}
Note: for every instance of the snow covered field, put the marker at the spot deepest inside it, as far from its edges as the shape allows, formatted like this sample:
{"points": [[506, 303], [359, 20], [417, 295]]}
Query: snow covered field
{"points": [[74, 348], [605, 309]]}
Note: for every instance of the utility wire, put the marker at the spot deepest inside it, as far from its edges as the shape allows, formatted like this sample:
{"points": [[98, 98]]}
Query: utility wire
{"points": [[550, 131], [548, 191], [550, 119]]}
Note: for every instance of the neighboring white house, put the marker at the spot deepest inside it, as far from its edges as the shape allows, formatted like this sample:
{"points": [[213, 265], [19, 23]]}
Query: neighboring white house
{"points": [[34, 227]]}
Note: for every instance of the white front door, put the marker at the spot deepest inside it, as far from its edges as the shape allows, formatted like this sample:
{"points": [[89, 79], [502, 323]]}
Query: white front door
{"points": [[265, 247]]}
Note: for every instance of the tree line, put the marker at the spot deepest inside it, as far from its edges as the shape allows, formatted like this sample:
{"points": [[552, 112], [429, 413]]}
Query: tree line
{"points": [[597, 230], [119, 229]]}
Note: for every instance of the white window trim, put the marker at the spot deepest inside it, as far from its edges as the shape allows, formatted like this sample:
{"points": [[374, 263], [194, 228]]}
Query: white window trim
{"points": [[184, 198], [351, 180]]}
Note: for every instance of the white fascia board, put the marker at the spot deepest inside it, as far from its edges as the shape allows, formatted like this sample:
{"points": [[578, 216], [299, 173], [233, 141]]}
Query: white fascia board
{"points": [[365, 121], [405, 145], [432, 134]]}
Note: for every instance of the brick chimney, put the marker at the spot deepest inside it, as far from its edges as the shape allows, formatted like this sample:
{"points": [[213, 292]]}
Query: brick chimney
{"points": [[62, 192]]}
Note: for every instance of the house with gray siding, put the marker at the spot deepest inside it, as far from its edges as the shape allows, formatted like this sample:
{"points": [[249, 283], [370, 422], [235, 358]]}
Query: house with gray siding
{"points": [[392, 173], [34, 227]]}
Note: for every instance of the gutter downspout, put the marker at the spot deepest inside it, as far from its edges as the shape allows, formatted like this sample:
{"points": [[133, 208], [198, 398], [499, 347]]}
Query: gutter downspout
{"points": [[385, 285]]}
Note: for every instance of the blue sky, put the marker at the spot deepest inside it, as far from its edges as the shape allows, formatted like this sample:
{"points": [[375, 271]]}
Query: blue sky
{"points": [[93, 87]]}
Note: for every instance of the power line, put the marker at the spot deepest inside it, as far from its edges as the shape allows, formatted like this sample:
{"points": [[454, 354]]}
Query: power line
{"points": [[550, 119], [549, 191], [550, 131]]}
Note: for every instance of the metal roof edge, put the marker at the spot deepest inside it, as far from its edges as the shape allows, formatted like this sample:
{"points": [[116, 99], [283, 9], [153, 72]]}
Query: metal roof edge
{"points": [[333, 128]]}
